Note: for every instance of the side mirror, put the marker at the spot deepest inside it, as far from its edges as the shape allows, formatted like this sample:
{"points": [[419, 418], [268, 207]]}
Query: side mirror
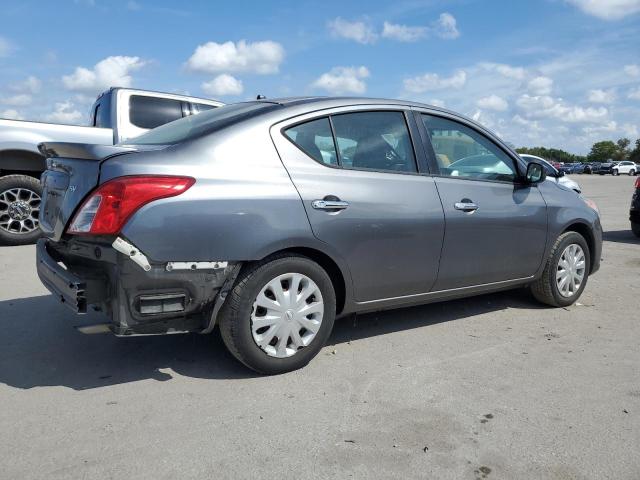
{"points": [[535, 173]]}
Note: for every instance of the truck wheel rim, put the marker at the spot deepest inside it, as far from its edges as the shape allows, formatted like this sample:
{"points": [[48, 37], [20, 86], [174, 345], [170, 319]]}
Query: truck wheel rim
{"points": [[571, 270], [287, 314], [19, 210]]}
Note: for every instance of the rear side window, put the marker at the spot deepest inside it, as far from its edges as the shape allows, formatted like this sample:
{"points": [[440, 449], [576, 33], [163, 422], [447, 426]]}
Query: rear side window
{"points": [[151, 112], [201, 107], [315, 139], [364, 141]]}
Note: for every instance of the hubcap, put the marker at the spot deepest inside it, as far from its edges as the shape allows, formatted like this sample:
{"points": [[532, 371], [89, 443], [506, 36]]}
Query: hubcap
{"points": [[286, 314], [571, 270], [19, 210]]}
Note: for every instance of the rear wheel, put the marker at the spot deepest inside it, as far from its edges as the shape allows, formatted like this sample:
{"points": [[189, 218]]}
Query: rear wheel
{"points": [[279, 314], [614, 172], [20, 198], [632, 172], [566, 271]]}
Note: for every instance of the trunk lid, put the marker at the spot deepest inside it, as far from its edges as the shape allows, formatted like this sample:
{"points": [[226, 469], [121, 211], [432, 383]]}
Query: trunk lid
{"points": [[73, 170]]}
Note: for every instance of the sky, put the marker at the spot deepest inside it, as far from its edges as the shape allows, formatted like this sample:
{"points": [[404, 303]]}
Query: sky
{"points": [[553, 73]]}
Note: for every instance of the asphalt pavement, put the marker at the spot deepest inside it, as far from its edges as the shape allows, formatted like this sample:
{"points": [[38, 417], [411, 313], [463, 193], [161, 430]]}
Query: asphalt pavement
{"points": [[495, 387]]}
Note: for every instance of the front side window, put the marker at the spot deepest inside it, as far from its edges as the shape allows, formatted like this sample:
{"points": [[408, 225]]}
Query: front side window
{"points": [[462, 152], [315, 139], [374, 141], [151, 112]]}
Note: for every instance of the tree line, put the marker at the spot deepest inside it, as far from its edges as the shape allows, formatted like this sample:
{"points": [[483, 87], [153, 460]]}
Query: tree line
{"points": [[600, 152]]}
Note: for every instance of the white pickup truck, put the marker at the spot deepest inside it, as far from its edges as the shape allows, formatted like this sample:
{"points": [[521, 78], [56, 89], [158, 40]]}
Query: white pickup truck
{"points": [[117, 115]]}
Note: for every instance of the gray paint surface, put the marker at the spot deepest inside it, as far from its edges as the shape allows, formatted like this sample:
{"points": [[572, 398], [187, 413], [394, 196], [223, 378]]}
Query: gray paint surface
{"points": [[251, 199]]}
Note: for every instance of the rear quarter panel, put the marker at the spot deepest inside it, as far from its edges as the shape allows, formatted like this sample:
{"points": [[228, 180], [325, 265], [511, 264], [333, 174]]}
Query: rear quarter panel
{"points": [[243, 205]]}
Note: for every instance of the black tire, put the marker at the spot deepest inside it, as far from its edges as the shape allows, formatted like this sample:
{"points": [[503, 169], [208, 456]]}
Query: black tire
{"points": [[235, 316], [545, 289], [632, 173], [635, 228], [8, 231], [614, 173]]}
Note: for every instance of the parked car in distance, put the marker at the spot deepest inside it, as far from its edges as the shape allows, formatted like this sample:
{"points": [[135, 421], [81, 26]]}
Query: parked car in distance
{"points": [[270, 218], [606, 167], [117, 115], [565, 168], [634, 211], [553, 175], [624, 167]]}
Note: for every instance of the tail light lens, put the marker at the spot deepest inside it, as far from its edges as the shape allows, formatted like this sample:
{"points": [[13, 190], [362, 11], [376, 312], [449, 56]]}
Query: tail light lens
{"points": [[108, 208], [638, 182]]}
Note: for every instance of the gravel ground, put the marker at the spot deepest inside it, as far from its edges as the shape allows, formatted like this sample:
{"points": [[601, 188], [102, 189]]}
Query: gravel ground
{"points": [[491, 387]]}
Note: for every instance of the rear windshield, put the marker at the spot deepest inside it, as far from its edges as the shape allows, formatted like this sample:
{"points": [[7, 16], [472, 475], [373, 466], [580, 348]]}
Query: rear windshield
{"points": [[201, 124]]}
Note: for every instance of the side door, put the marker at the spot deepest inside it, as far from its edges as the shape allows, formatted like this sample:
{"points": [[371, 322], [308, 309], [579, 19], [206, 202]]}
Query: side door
{"points": [[357, 175], [496, 226]]}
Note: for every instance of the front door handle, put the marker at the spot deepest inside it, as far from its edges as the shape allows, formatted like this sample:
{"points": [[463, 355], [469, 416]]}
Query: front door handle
{"points": [[329, 205], [466, 206]]}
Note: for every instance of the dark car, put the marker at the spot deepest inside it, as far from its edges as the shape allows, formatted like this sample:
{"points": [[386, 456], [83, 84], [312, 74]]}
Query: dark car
{"points": [[634, 211], [606, 168], [270, 218], [587, 168]]}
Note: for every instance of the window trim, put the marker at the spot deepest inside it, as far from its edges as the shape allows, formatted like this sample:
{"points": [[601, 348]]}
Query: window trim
{"points": [[431, 155], [405, 113]]}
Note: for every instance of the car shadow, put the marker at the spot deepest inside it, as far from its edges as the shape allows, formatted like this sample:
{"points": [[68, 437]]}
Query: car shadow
{"points": [[39, 346], [621, 236]]}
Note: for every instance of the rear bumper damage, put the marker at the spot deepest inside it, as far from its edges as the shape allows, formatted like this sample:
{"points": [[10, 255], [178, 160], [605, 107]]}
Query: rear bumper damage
{"points": [[140, 297]]}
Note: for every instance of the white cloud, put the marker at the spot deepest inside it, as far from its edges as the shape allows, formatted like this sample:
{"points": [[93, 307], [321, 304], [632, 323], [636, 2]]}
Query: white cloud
{"points": [[113, 71], [11, 114], [403, 33], [224, 84], [608, 9], [5, 47], [446, 26], [493, 102], [20, 99], [29, 85], [64, 112], [634, 93], [436, 102], [632, 70], [544, 106], [358, 31], [341, 80], [602, 96], [516, 73], [258, 57], [630, 130], [607, 127], [433, 81], [540, 85]]}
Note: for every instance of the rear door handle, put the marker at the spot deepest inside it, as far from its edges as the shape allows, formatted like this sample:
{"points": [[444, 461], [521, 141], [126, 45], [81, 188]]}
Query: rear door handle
{"points": [[466, 206], [329, 204]]}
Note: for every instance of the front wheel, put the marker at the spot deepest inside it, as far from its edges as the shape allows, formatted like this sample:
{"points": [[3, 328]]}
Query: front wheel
{"points": [[279, 314], [20, 198], [632, 173], [565, 273], [614, 173]]}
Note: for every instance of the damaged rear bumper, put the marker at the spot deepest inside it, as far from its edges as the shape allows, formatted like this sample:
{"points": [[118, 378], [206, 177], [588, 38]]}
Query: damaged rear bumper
{"points": [[139, 297]]}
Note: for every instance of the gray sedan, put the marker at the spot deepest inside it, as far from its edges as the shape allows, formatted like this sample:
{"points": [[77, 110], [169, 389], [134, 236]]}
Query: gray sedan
{"points": [[271, 218]]}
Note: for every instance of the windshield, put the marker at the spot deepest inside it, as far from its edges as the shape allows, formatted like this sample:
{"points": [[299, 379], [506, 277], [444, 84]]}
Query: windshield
{"points": [[201, 124]]}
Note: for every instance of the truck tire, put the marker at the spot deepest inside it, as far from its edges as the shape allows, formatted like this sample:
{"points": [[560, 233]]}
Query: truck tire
{"points": [[20, 197], [279, 314], [549, 288]]}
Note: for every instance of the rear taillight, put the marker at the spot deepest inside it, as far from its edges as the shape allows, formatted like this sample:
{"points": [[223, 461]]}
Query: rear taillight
{"points": [[638, 182], [107, 209]]}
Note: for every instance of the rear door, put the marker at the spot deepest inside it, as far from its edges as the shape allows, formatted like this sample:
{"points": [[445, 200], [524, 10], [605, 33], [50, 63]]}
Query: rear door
{"points": [[356, 172], [496, 227]]}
